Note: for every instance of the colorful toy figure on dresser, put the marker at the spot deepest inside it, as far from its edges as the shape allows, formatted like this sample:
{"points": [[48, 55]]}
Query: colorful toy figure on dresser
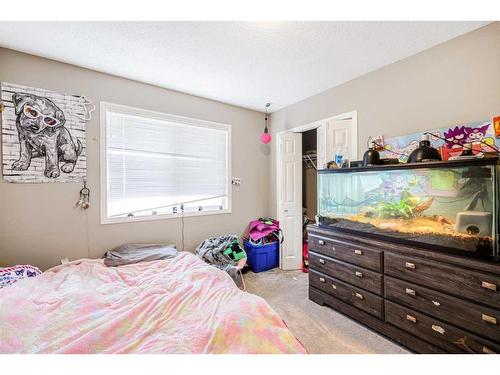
{"points": [[480, 137]]}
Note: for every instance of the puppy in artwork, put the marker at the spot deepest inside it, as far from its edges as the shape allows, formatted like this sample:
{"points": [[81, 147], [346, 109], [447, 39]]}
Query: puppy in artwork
{"points": [[40, 126]]}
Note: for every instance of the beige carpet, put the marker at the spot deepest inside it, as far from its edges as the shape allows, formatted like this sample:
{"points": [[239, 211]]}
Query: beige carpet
{"points": [[320, 329]]}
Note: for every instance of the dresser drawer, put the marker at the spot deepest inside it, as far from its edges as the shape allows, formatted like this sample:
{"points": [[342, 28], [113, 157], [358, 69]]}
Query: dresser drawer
{"points": [[347, 293], [476, 286], [437, 332], [363, 256], [357, 276], [470, 316]]}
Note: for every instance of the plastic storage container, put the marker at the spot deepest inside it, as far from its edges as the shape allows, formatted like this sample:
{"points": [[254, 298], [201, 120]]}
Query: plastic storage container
{"points": [[262, 257]]}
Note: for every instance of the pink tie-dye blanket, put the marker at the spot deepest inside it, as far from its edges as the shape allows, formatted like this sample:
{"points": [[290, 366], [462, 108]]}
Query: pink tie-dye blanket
{"points": [[180, 305]]}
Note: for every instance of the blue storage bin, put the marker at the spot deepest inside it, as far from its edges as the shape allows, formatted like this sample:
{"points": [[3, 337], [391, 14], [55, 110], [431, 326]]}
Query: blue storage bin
{"points": [[262, 257]]}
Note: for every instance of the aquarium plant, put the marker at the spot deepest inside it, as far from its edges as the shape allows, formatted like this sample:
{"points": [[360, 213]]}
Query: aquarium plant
{"points": [[406, 208]]}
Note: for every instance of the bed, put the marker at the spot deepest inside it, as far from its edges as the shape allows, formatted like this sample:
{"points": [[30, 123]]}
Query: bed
{"points": [[179, 305]]}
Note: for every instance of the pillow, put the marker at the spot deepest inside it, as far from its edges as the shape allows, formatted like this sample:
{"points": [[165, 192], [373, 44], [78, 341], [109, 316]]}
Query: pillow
{"points": [[134, 253], [10, 275]]}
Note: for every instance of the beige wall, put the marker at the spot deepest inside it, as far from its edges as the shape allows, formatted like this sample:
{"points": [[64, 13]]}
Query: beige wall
{"points": [[454, 82], [38, 224]]}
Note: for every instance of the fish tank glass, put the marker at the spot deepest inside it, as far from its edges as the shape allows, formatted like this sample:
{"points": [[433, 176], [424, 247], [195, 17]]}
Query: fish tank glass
{"points": [[446, 206]]}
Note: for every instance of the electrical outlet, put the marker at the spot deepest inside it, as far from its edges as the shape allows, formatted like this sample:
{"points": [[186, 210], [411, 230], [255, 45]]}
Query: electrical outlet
{"points": [[236, 181]]}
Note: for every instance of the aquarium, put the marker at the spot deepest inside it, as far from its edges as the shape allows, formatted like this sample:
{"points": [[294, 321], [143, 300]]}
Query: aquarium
{"points": [[447, 205]]}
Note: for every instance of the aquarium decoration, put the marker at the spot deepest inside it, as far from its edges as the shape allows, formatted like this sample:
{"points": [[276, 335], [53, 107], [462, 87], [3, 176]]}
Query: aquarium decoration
{"points": [[484, 137], [442, 183]]}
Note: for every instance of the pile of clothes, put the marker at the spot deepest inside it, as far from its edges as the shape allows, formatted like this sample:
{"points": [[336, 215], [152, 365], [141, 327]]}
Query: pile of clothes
{"points": [[226, 253], [264, 231], [223, 252]]}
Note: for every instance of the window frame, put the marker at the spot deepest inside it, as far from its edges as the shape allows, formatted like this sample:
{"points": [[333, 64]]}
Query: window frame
{"points": [[127, 110]]}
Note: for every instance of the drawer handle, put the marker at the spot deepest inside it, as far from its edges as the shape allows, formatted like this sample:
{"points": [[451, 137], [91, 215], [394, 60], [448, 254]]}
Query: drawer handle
{"points": [[490, 286], [359, 295], [334, 286], [359, 274], [358, 252], [411, 318], [322, 261], [321, 242], [488, 350], [322, 279], [489, 319], [438, 329], [410, 265], [411, 292], [436, 303]]}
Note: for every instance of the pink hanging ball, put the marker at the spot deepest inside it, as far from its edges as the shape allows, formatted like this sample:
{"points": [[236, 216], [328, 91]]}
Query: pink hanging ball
{"points": [[265, 138]]}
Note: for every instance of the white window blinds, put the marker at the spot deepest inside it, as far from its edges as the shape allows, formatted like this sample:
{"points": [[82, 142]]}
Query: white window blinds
{"points": [[158, 166]]}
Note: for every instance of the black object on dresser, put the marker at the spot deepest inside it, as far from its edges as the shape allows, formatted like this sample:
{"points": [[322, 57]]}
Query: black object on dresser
{"points": [[427, 301]]}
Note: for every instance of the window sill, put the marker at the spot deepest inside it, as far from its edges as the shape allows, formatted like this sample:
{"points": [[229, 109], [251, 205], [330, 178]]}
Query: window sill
{"points": [[121, 220]]}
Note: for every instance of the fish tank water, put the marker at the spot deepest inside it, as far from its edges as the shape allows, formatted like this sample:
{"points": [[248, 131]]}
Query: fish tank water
{"points": [[448, 206]]}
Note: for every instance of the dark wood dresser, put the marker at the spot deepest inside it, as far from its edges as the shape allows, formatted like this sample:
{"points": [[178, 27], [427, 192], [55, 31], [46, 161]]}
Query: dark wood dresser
{"points": [[429, 302]]}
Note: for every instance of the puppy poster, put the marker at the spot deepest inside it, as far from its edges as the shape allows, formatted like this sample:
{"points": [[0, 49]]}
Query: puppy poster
{"points": [[43, 135]]}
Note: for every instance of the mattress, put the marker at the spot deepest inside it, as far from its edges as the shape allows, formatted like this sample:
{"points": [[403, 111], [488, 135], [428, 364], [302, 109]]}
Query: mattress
{"points": [[179, 305]]}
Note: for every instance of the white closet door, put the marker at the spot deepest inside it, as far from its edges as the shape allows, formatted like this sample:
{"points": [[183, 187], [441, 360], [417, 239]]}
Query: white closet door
{"points": [[290, 199]]}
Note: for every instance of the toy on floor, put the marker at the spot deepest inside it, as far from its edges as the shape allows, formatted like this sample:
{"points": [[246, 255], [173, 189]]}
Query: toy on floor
{"points": [[234, 251]]}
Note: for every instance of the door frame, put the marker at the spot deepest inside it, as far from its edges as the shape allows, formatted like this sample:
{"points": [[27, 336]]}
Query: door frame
{"points": [[353, 115]]}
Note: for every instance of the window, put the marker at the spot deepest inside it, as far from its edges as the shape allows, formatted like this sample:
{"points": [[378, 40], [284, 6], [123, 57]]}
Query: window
{"points": [[156, 165]]}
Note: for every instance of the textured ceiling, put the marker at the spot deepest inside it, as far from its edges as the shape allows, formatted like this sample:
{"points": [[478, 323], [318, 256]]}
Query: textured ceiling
{"points": [[240, 63]]}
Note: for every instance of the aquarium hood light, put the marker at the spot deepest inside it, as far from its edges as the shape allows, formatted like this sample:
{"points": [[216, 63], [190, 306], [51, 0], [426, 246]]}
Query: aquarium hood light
{"points": [[424, 152], [371, 156]]}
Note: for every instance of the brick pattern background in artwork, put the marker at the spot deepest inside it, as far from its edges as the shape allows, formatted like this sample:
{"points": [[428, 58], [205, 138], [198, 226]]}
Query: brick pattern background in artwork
{"points": [[75, 111]]}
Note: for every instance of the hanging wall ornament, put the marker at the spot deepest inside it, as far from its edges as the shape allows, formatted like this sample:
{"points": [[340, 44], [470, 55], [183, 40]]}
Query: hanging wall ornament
{"points": [[266, 137], [84, 201], [43, 135]]}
